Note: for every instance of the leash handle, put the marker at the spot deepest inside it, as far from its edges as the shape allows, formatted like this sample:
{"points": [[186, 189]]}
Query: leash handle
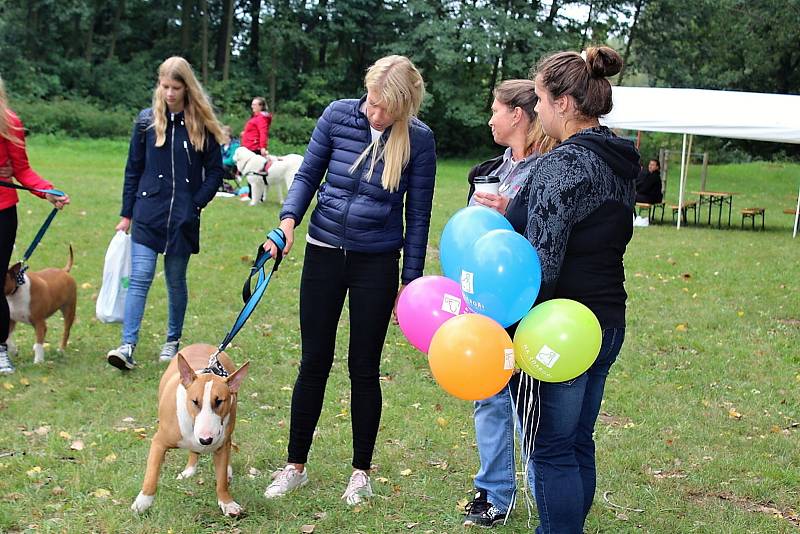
{"points": [[12, 185]]}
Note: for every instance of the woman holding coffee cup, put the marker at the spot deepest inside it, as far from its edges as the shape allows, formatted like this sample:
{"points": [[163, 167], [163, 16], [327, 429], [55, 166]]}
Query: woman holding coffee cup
{"points": [[496, 184]]}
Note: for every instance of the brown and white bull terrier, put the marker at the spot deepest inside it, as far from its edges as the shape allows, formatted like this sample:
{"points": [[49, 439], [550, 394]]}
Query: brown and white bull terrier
{"points": [[196, 411], [34, 296]]}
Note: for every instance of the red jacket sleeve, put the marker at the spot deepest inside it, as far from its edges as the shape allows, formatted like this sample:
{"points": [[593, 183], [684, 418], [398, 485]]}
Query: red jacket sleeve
{"points": [[19, 158]]}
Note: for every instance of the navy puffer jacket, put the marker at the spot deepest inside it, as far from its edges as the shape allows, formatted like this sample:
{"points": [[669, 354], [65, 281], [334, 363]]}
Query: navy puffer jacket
{"points": [[356, 213], [167, 186]]}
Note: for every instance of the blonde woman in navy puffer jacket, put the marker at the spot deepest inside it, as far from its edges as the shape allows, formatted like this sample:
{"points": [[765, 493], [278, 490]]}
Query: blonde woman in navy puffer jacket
{"points": [[380, 162]]}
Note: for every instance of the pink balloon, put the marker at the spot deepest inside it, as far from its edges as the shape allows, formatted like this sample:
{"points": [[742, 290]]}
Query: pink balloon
{"points": [[425, 304]]}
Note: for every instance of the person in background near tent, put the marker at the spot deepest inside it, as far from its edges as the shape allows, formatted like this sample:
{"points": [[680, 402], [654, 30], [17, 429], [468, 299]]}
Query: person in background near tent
{"points": [[14, 164], [375, 156], [648, 184], [580, 220], [255, 136], [514, 125], [174, 169]]}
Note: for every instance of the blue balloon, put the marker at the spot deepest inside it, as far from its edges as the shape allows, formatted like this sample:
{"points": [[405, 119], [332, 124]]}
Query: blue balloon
{"points": [[460, 233], [502, 276]]}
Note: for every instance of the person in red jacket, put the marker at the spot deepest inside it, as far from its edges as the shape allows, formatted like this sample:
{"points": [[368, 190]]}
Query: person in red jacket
{"points": [[14, 163], [255, 136]]}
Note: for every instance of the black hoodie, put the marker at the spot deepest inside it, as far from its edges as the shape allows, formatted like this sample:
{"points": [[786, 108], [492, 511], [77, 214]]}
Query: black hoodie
{"points": [[580, 215]]}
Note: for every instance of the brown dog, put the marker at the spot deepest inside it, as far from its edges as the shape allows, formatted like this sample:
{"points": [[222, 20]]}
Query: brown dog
{"points": [[196, 411], [38, 297]]}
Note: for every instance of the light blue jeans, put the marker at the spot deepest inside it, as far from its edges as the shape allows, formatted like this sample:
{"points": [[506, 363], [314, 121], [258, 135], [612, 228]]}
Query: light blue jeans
{"points": [[143, 269], [494, 433]]}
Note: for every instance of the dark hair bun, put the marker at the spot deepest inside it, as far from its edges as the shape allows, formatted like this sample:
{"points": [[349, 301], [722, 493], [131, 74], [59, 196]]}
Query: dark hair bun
{"points": [[603, 61]]}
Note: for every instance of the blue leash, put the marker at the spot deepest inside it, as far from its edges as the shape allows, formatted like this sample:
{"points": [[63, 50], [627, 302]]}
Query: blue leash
{"points": [[42, 229], [251, 297]]}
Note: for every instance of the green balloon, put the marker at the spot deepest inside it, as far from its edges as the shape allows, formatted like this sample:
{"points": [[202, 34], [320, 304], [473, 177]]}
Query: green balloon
{"points": [[557, 341]]}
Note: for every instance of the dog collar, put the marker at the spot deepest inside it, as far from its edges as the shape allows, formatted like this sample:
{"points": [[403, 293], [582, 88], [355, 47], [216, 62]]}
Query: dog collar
{"points": [[19, 279], [215, 368]]}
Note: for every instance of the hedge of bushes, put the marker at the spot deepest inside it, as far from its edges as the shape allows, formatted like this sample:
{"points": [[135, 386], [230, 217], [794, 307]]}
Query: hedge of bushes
{"points": [[76, 118]]}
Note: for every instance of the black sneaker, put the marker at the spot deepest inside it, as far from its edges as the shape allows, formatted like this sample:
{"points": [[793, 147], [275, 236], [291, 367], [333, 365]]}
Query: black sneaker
{"points": [[122, 357], [482, 513]]}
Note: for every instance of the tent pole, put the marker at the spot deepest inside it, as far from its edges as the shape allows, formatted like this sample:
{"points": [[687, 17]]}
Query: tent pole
{"points": [[683, 175], [796, 215]]}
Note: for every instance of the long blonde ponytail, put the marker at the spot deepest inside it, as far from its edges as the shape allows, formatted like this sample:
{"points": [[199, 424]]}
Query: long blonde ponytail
{"points": [[402, 89]]}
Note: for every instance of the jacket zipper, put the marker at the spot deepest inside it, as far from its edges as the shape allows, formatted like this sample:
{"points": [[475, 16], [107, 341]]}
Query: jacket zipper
{"points": [[172, 161], [355, 193]]}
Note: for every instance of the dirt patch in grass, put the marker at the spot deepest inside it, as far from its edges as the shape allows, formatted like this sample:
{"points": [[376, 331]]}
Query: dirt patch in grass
{"points": [[790, 322], [613, 420], [749, 505]]}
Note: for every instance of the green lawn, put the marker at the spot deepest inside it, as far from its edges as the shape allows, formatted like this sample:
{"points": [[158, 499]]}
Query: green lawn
{"points": [[700, 423]]}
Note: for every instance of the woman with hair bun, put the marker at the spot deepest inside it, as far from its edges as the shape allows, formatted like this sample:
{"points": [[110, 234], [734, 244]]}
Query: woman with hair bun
{"points": [[379, 163], [580, 214]]}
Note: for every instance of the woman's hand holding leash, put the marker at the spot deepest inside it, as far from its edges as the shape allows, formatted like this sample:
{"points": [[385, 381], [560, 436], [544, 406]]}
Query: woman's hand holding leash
{"points": [[287, 225], [499, 203], [123, 225], [57, 201]]}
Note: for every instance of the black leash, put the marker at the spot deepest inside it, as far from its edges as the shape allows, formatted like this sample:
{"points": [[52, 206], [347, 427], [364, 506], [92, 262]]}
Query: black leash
{"points": [[42, 229]]}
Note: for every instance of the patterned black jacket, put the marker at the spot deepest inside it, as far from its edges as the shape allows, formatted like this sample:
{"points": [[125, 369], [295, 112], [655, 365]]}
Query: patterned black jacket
{"points": [[580, 219]]}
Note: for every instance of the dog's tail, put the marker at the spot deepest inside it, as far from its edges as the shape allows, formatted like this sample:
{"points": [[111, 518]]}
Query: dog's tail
{"points": [[70, 260]]}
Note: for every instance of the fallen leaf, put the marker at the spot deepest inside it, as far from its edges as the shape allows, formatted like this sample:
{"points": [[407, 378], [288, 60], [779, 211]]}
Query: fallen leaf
{"points": [[8, 385], [110, 458], [34, 471], [128, 420], [384, 480], [139, 430], [441, 421], [24, 381], [64, 434], [13, 496], [740, 313], [58, 490], [411, 525], [86, 285], [77, 445], [101, 493], [405, 472], [307, 529], [320, 515], [42, 430], [681, 327], [733, 414]]}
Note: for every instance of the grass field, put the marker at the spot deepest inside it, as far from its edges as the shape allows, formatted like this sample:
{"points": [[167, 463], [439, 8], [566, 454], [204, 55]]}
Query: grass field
{"points": [[699, 432]]}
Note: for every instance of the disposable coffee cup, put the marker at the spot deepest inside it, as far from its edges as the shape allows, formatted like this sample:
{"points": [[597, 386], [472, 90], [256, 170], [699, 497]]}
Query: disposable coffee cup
{"points": [[487, 184]]}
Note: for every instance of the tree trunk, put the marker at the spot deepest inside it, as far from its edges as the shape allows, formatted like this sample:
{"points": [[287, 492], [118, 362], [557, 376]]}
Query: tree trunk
{"points": [[87, 46], [222, 36], [204, 40], [323, 41], [255, 33], [631, 34], [551, 17], [586, 26], [186, 26], [228, 37], [118, 10]]}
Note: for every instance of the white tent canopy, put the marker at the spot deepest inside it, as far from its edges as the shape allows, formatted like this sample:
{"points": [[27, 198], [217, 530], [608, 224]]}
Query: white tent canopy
{"points": [[757, 116]]}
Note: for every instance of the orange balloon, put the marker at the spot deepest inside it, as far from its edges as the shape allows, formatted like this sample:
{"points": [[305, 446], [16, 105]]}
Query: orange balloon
{"points": [[471, 356]]}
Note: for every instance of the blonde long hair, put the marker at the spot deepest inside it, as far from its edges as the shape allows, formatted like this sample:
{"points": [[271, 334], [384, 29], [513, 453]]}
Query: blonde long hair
{"points": [[402, 89], [198, 114], [5, 127]]}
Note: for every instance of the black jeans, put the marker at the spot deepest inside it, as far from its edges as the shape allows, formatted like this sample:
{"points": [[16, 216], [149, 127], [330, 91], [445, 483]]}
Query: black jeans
{"points": [[371, 281], [8, 233]]}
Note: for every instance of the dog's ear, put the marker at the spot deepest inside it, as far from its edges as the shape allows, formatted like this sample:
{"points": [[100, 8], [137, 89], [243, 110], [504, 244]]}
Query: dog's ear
{"points": [[236, 379], [187, 373], [14, 269]]}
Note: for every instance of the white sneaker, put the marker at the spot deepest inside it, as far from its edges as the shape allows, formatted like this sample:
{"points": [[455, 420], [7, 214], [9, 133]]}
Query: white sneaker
{"points": [[286, 480], [358, 488], [641, 221], [169, 350]]}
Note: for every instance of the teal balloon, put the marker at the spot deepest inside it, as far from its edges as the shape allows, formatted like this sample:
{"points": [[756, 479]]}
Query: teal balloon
{"points": [[502, 276], [465, 227], [557, 340]]}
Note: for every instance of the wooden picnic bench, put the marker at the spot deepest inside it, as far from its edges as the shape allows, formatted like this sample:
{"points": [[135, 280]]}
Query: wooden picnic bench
{"points": [[752, 213]]}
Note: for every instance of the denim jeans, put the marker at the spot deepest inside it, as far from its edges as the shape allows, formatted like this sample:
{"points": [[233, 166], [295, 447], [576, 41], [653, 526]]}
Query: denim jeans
{"points": [[564, 453], [494, 434], [143, 269]]}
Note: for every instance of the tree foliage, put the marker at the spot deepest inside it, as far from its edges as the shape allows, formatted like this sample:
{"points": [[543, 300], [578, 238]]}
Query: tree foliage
{"points": [[300, 54]]}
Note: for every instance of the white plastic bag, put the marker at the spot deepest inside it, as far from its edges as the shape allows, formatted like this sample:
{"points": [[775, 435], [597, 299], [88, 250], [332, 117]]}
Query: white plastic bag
{"points": [[116, 274]]}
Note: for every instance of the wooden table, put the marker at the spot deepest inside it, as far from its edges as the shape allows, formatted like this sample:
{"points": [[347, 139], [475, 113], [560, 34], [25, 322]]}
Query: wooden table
{"points": [[718, 198]]}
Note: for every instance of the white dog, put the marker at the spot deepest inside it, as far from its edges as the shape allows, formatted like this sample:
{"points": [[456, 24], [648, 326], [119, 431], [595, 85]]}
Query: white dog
{"points": [[262, 172]]}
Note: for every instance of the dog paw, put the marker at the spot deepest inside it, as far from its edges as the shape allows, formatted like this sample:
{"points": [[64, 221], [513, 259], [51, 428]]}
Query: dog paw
{"points": [[38, 353], [186, 473], [230, 509], [142, 503]]}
